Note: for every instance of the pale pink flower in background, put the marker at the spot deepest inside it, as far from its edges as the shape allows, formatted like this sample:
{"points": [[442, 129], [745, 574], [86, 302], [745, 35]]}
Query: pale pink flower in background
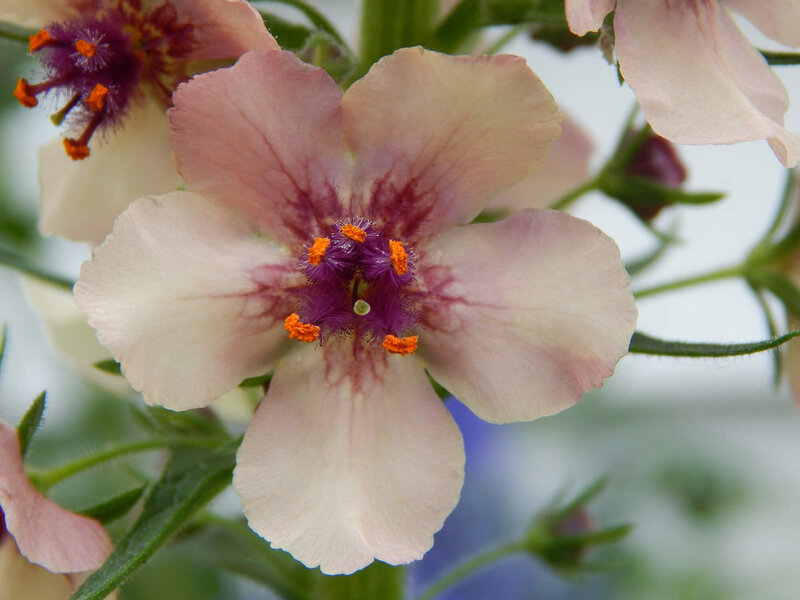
{"points": [[45, 550], [326, 237], [696, 76], [565, 168], [113, 65]]}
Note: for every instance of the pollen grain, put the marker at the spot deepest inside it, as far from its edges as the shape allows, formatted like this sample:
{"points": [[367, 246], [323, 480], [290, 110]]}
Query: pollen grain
{"points": [[96, 100], [354, 233], [23, 93], [38, 40], [305, 332], [317, 251], [76, 150], [399, 257], [85, 48], [400, 345]]}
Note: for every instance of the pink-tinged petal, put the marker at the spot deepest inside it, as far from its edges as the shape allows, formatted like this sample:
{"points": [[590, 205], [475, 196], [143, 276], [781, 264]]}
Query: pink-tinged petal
{"points": [[46, 534], [777, 19], [436, 137], [187, 298], [349, 458], [35, 13], [224, 28], [264, 137], [81, 199], [698, 79], [584, 16], [566, 167], [22, 580], [525, 315]]}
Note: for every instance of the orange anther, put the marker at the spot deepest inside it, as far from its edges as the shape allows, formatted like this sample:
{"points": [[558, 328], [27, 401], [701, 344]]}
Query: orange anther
{"points": [[23, 93], [85, 48], [38, 40], [354, 233], [97, 97], [298, 330], [317, 250], [76, 150], [399, 257], [400, 345]]}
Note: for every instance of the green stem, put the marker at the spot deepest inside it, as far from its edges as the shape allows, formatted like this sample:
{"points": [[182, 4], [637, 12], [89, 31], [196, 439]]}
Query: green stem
{"points": [[570, 197], [504, 39], [47, 478], [317, 18], [15, 33], [469, 567], [727, 273], [786, 200], [781, 58], [19, 263]]}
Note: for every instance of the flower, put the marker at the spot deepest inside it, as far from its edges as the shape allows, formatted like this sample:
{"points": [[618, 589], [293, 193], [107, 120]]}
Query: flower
{"points": [[566, 167], [324, 239], [45, 550], [114, 64], [697, 78]]}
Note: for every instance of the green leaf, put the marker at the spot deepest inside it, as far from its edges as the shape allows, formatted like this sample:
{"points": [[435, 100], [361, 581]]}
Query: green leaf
{"points": [[639, 191], [30, 422], [233, 546], [114, 508], [440, 390], [644, 344], [15, 33], [290, 36], [20, 263], [781, 58], [191, 479], [108, 365]]}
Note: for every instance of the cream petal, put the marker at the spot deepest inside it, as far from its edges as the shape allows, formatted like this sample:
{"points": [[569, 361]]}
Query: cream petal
{"points": [[436, 137], [525, 315], [22, 580], [566, 167], [81, 199], [70, 334], [35, 13], [584, 16], [728, 95], [349, 458], [224, 28], [777, 19], [187, 298], [264, 137], [46, 534]]}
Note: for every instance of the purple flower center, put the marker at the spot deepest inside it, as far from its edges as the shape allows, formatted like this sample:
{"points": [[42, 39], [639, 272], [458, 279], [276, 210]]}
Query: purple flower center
{"points": [[100, 62], [359, 283]]}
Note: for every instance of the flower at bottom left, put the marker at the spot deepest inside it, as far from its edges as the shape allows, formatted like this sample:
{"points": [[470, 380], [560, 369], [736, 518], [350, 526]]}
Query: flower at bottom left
{"points": [[46, 552]]}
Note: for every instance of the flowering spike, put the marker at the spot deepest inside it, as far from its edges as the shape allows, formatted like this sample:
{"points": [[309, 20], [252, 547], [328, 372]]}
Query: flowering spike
{"points": [[317, 250], [75, 149], [96, 100], [354, 233], [305, 332], [24, 93], [85, 48], [399, 257], [38, 40], [400, 345]]}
